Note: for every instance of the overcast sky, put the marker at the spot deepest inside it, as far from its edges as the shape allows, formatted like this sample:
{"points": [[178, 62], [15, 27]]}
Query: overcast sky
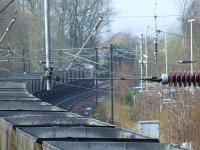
{"points": [[133, 8]]}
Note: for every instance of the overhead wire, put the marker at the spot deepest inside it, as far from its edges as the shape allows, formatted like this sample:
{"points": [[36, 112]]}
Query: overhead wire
{"points": [[160, 16], [91, 55], [6, 55], [20, 57], [114, 73], [73, 49], [14, 61], [179, 35], [95, 63], [81, 58], [89, 60], [10, 25], [4, 8], [7, 70], [107, 54], [92, 33], [88, 88], [175, 34], [124, 75], [129, 52]]}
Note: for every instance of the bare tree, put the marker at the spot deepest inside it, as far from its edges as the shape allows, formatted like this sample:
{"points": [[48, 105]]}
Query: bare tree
{"points": [[71, 23], [76, 19]]}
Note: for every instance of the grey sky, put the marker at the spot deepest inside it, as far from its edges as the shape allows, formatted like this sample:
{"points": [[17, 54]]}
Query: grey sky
{"points": [[136, 25]]}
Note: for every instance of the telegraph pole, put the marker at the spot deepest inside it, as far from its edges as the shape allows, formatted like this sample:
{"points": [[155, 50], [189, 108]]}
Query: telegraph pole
{"points": [[191, 44], [156, 36], [141, 60], [60, 59], [47, 43], [111, 81], [146, 54], [146, 50], [96, 81], [166, 51], [191, 50], [24, 63]]}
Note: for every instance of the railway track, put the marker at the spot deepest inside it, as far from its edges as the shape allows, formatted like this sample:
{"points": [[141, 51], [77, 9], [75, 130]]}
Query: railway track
{"points": [[70, 103]]}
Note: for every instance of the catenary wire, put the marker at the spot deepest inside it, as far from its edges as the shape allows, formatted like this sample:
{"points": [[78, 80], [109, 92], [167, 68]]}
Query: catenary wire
{"points": [[4, 8]]}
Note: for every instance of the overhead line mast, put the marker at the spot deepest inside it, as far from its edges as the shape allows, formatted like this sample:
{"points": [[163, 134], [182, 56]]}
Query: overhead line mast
{"points": [[156, 36], [48, 73]]}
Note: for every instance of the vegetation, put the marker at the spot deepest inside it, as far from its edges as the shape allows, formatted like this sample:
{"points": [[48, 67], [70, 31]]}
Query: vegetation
{"points": [[71, 23], [124, 41], [179, 118]]}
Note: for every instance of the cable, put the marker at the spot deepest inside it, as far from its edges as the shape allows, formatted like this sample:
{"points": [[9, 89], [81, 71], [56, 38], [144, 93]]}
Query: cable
{"points": [[9, 27], [89, 54], [3, 9], [6, 55], [14, 61], [117, 74], [114, 73], [92, 33], [108, 55], [125, 51], [92, 62], [80, 58], [3, 69], [73, 49], [20, 57], [88, 61], [174, 34], [87, 88], [66, 61], [119, 56], [161, 16]]}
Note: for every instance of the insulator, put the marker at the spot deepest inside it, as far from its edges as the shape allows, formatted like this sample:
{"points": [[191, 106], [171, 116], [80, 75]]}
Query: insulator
{"points": [[155, 50], [193, 80], [198, 79], [181, 79], [165, 79]]}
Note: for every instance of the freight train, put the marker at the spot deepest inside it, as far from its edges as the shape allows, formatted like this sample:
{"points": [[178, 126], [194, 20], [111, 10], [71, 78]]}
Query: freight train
{"points": [[79, 75], [28, 123]]}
